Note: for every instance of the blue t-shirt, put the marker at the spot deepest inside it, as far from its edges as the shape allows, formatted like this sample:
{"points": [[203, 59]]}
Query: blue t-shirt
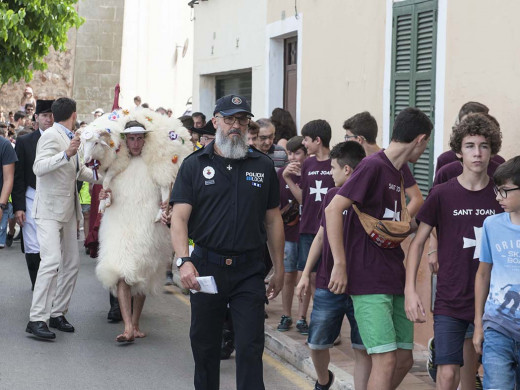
{"points": [[500, 246], [7, 156]]}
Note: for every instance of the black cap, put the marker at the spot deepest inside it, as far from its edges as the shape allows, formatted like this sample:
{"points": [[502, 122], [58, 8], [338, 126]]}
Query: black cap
{"points": [[208, 128], [232, 104], [43, 106]]}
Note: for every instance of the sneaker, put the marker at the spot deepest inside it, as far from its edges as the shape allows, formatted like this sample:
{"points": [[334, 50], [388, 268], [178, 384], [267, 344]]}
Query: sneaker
{"points": [[317, 386], [302, 326], [9, 240], [285, 324], [430, 367], [169, 279], [478, 382]]}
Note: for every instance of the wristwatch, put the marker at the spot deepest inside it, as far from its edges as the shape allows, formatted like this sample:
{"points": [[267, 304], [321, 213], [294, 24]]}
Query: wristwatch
{"points": [[181, 260], [3, 206]]}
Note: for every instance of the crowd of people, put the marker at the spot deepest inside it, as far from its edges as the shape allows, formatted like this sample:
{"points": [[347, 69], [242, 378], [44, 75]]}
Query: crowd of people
{"points": [[257, 202]]}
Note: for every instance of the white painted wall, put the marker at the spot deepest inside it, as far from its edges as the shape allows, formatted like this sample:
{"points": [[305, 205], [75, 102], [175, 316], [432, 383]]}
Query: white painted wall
{"points": [[229, 37], [151, 33]]}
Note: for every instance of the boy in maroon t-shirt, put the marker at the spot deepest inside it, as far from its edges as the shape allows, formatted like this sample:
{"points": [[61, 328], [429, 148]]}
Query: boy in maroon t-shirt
{"points": [[297, 154], [329, 309], [315, 181], [376, 275], [362, 128], [457, 209], [449, 156]]}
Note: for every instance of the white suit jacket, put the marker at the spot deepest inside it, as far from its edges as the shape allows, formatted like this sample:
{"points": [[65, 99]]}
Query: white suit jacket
{"points": [[56, 196]]}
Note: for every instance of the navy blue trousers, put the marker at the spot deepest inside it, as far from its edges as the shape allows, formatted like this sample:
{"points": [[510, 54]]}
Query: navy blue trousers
{"points": [[241, 286]]}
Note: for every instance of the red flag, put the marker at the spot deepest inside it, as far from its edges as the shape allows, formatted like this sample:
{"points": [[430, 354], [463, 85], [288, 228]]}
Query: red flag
{"points": [[117, 90]]}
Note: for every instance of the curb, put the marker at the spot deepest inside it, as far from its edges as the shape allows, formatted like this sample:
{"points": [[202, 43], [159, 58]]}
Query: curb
{"points": [[297, 355]]}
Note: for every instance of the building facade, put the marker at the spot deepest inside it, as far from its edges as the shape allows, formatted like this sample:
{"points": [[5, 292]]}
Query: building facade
{"points": [[333, 59]]}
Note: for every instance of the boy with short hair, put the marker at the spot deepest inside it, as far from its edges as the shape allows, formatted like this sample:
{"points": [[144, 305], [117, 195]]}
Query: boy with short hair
{"points": [[457, 209], [497, 282], [329, 309], [362, 128], [297, 153], [376, 275], [316, 179], [252, 134]]}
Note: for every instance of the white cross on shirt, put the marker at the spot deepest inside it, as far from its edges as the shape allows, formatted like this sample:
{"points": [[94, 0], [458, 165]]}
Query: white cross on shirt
{"points": [[318, 190], [469, 242]]}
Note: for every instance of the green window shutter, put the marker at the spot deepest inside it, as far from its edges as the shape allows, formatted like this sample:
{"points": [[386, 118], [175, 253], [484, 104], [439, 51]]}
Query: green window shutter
{"points": [[413, 71]]}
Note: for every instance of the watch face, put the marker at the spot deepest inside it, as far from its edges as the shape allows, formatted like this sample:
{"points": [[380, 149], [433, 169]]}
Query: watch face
{"points": [[179, 262]]}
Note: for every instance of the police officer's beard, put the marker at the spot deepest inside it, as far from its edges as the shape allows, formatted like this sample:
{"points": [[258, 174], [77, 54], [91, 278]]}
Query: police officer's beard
{"points": [[235, 147]]}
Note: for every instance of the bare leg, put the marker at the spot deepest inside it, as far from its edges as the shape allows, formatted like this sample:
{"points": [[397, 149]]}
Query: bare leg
{"points": [[469, 370], [404, 361], [124, 296], [362, 369], [86, 218], [288, 292], [383, 367], [448, 376], [136, 315], [321, 359], [12, 225]]}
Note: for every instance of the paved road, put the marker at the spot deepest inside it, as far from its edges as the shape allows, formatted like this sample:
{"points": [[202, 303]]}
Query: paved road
{"points": [[90, 358]]}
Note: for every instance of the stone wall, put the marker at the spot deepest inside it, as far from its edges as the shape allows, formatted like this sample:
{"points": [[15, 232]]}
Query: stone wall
{"points": [[88, 71], [98, 55], [55, 81]]}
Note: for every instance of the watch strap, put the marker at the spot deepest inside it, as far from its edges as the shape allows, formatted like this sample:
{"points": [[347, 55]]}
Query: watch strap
{"points": [[183, 260]]}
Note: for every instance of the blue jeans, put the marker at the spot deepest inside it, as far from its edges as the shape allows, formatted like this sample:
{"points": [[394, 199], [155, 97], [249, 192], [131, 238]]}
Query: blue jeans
{"points": [[304, 245], [450, 334], [327, 315], [500, 358], [8, 213], [290, 256]]}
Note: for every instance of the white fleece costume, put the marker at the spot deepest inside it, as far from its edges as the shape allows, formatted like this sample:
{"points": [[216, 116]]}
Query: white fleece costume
{"points": [[132, 246]]}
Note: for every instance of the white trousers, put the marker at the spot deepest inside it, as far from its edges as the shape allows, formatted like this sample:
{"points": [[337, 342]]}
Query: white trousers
{"points": [[58, 271], [30, 239]]}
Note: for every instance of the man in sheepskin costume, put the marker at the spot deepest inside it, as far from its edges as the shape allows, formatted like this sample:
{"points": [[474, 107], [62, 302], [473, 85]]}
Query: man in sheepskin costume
{"points": [[134, 247], [226, 199]]}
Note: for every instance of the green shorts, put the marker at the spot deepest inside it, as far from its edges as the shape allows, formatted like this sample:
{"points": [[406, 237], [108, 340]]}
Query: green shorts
{"points": [[382, 322]]}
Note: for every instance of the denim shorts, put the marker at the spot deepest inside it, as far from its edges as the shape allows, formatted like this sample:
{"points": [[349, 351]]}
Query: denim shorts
{"points": [[304, 246], [450, 334], [327, 315], [501, 361], [85, 208], [382, 322], [290, 256]]}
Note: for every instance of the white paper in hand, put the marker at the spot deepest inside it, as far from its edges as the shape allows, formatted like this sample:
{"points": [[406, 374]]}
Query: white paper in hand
{"points": [[207, 285]]}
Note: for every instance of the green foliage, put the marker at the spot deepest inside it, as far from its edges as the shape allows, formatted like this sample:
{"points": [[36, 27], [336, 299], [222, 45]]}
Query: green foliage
{"points": [[28, 28]]}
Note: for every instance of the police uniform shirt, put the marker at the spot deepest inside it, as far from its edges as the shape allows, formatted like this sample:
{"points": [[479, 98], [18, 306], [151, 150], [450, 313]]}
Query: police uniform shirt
{"points": [[229, 199]]}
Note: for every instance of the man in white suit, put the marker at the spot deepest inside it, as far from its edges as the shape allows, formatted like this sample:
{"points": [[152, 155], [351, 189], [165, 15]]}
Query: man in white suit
{"points": [[56, 210]]}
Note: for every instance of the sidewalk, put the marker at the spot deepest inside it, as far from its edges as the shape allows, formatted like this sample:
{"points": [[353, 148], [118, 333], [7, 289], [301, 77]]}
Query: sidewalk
{"points": [[291, 347]]}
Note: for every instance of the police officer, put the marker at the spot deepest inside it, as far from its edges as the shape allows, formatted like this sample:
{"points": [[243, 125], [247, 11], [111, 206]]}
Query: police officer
{"points": [[226, 199]]}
